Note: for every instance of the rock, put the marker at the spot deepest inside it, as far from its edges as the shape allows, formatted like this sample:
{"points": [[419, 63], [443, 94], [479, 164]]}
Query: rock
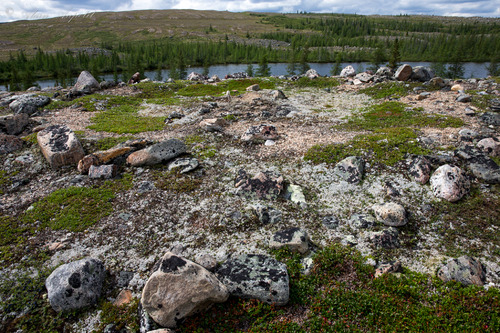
{"points": [[361, 221], [295, 239], [391, 214], [485, 168], [278, 94], [145, 186], [490, 146], [267, 215], [457, 87], [422, 74], [178, 289], [464, 98], [157, 153], [384, 72], [75, 285], [185, 164], [494, 105], [387, 238], [136, 78], [260, 133], [420, 169], [9, 144], [330, 221], [437, 82], [107, 171], [253, 87], [206, 261], [357, 82], [312, 74], [124, 297], [60, 146], [348, 71], [294, 194], [450, 183], [107, 84], [213, 125], [193, 76], [161, 330], [389, 267], [264, 185], [85, 84], [490, 118], [403, 73], [465, 270], [256, 276], [28, 103], [468, 134], [14, 124], [86, 162], [364, 77], [350, 169]]}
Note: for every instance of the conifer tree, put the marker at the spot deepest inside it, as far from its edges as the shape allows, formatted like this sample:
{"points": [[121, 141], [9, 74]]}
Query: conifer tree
{"points": [[263, 69], [395, 55]]}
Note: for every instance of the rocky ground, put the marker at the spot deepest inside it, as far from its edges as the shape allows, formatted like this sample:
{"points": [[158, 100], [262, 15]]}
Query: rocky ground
{"points": [[264, 166]]}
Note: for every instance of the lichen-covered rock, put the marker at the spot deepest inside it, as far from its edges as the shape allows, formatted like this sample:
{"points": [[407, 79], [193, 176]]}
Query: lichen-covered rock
{"points": [[213, 124], [330, 221], [157, 153], [449, 182], [253, 87], [9, 144], [193, 76], [465, 270], [348, 71], [178, 289], [256, 276], [391, 214], [267, 215], [295, 194], [60, 146], [75, 285], [312, 74], [350, 169], [260, 133], [295, 239], [485, 169], [184, 164], [361, 221], [278, 94], [364, 77], [28, 103], [420, 169], [264, 185], [106, 171], [387, 238], [422, 74], [388, 267], [85, 84], [403, 73], [13, 124], [490, 146]]}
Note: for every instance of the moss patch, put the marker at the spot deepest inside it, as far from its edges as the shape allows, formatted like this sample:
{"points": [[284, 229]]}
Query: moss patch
{"points": [[124, 119], [320, 82], [121, 317], [176, 182], [392, 89]]}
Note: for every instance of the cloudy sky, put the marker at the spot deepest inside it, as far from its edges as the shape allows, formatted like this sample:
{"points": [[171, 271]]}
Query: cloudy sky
{"points": [[12, 10]]}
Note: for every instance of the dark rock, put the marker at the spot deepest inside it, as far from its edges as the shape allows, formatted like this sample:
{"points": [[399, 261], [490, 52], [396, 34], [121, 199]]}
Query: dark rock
{"points": [[157, 153], [468, 134], [464, 98], [108, 84], [350, 169], [422, 74], [420, 169], [484, 168], [107, 171], [465, 270], [495, 105], [256, 276], [136, 78], [490, 118], [75, 285], [123, 279], [295, 239], [361, 221], [264, 185], [14, 124], [9, 144], [28, 103], [387, 238]]}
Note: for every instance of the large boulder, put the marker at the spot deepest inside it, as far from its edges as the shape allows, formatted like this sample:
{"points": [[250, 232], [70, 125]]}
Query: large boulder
{"points": [[14, 124], [350, 169], [485, 168], [28, 103], [86, 84], [312, 74], [9, 144], [348, 71], [178, 289], [403, 73], [449, 182], [422, 74], [490, 146], [75, 285], [390, 213], [465, 270], [157, 153], [60, 146], [264, 185], [256, 276]]}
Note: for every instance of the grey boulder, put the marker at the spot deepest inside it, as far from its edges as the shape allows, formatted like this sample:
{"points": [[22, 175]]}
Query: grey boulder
{"points": [[465, 270], [157, 153], [60, 146], [450, 183], [391, 214], [86, 84], [28, 103], [14, 124], [75, 285]]}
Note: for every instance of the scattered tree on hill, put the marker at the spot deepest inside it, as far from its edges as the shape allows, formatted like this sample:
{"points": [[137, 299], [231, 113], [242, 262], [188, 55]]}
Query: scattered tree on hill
{"points": [[263, 69], [395, 57], [250, 70], [337, 67]]}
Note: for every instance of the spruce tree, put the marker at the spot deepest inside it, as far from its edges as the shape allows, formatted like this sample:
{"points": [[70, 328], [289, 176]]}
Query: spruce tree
{"points": [[263, 69], [395, 55]]}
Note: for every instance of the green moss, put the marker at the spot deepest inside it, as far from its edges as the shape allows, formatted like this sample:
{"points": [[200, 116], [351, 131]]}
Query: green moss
{"points": [[200, 89], [121, 317], [124, 119], [193, 139], [386, 146], [320, 82], [482, 102], [175, 181], [31, 138], [389, 89], [341, 295], [396, 114], [72, 208]]}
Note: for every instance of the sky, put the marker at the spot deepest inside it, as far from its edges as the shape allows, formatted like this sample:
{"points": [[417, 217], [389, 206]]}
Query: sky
{"points": [[13, 10]]}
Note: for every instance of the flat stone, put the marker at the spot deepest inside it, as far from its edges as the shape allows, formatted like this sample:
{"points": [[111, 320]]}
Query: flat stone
{"points": [[180, 288], [60, 146], [465, 270], [450, 183], [185, 164], [295, 239], [75, 285], [106, 171], [391, 214], [330, 221], [157, 153], [9, 144], [463, 98], [256, 276]]}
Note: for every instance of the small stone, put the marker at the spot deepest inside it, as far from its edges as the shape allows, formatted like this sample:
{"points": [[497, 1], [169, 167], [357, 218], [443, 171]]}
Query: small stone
{"points": [[463, 98], [361, 221], [269, 143], [264, 185], [14, 124], [387, 239], [295, 239], [278, 94], [295, 194], [465, 270], [185, 164], [107, 171], [213, 125], [391, 214], [350, 169], [330, 221], [457, 87], [261, 132], [450, 183], [420, 169], [267, 215], [124, 297]]}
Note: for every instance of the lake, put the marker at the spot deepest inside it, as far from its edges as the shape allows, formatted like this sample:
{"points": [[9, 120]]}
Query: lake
{"points": [[476, 70]]}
